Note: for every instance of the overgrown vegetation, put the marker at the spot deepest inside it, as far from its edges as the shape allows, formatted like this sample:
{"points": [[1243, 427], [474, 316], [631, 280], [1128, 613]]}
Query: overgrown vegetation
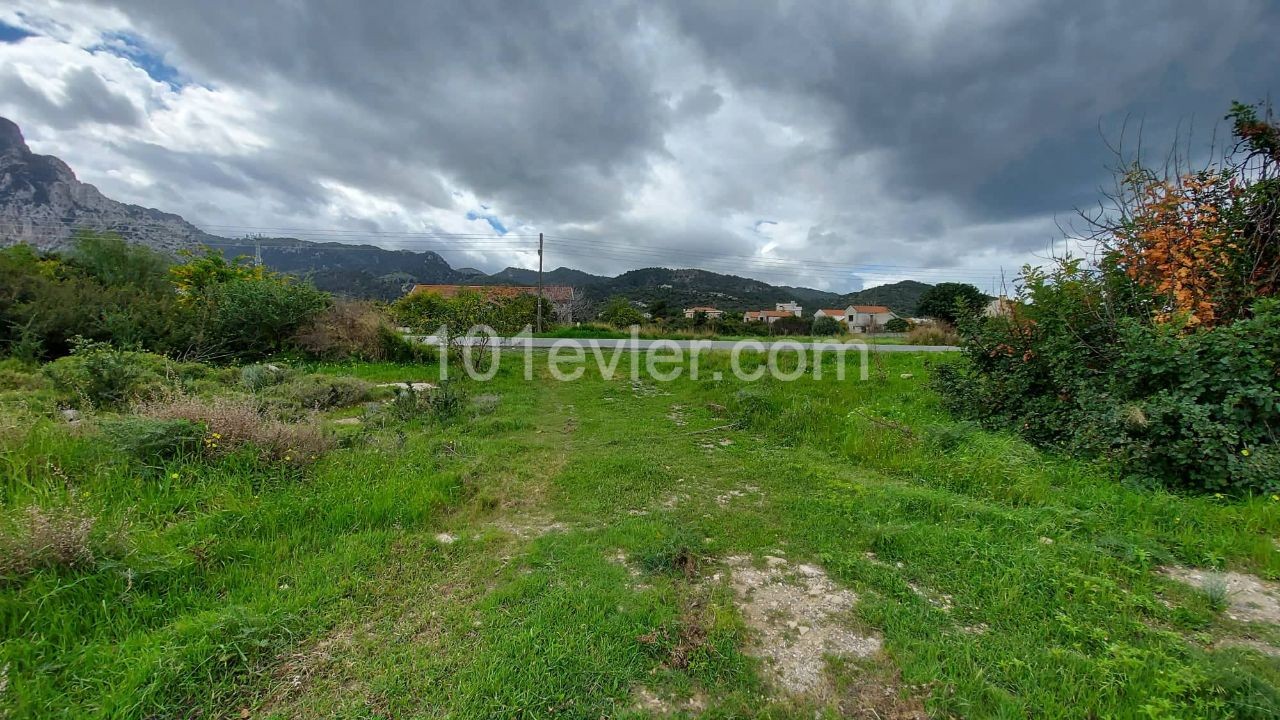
{"points": [[1163, 353]]}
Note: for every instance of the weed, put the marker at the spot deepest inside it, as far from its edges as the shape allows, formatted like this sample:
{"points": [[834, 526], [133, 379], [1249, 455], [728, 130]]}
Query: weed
{"points": [[47, 539], [323, 392], [1216, 592], [445, 401], [257, 377], [231, 423]]}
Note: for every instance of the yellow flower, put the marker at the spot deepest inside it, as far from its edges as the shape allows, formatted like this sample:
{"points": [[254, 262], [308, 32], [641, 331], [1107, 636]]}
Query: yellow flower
{"points": [[217, 435], [173, 475], [1245, 452]]}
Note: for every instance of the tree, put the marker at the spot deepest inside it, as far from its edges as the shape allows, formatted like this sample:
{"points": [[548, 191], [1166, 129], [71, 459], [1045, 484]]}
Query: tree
{"points": [[951, 301], [825, 326], [619, 312], [897, 325], [789, 325]]}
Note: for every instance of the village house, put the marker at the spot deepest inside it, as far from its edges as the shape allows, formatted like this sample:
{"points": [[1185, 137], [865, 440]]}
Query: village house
{"points": [[710, 312], [867, 318], [836, 314], [766, 316], [1000, 307], [789, 307]]}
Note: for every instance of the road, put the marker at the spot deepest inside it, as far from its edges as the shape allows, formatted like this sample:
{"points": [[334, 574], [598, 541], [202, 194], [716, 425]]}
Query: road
{"points": [[643, 345]]}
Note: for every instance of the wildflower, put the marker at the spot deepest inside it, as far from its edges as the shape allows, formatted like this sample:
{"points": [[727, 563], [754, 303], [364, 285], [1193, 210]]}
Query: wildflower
{"points": [[173, 475], [1245, 452]]}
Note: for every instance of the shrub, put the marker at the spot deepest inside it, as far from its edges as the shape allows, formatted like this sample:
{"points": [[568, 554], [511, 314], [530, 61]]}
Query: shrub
{"points": [[150, 439], [17, 375], [620, 313], [346, 329], [933, 334], [256, 377], [897, 325], [48, 539], [256, 317], [103, 375], [753, 406], [445, 401], [826, 326], [1192, 409], [323, 392], [789, 326], [231, 423]]}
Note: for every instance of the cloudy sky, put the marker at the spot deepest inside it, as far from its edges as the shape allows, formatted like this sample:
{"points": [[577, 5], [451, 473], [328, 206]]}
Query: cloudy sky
{"points": [[817, 142]]}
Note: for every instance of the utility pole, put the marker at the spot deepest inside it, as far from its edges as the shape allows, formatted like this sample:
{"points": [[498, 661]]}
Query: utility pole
{"points": [[539, 282]]}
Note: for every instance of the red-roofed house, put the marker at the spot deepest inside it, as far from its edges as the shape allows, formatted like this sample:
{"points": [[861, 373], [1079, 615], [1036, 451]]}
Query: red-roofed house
{"points": [[836, 313], [710, 312], [867, 318], [768, 316]]}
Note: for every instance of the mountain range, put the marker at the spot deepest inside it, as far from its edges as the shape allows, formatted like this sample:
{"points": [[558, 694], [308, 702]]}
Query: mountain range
{"points": [[42, 203]]}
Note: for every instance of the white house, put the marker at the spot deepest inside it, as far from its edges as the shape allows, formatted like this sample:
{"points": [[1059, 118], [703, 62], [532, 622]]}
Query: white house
{"points": [[837, 314], [789, 307], [867, 318]]}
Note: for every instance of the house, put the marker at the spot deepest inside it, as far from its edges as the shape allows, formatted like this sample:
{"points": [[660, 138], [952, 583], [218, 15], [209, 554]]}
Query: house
{"points": [[710, 312], [1000, 307], [767, 316], [789, 307], [560, 296], [837, 314], [867, 318]]}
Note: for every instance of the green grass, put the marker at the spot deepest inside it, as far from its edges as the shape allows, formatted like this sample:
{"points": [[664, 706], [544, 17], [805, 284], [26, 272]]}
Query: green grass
{"points": [[654, 332], [323, 592]]}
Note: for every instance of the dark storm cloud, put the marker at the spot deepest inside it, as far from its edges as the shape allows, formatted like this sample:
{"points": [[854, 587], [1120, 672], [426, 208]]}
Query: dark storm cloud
{"points": [[998, 105], [896, 134], [544, 107], [86, 99]]}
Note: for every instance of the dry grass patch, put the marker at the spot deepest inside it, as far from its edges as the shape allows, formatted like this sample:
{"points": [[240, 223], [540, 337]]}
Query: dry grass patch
{"points": [[49, 538], [234, 422]]}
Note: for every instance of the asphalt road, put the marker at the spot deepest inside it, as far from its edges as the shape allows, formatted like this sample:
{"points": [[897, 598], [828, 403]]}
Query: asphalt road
{"points": [[642, 345]]}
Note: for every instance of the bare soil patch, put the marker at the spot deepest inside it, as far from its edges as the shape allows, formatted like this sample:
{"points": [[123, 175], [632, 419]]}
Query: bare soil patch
{"points": [[799, 617], [1251, 599]]}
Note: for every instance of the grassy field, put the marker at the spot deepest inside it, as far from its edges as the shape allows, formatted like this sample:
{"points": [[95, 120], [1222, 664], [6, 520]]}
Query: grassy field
{"points": [[654, 332], [610, 548]]}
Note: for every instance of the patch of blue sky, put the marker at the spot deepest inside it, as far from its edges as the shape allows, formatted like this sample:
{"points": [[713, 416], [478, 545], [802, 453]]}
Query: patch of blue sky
{"points": [[490, 218], [140, 53], [12, 33]]}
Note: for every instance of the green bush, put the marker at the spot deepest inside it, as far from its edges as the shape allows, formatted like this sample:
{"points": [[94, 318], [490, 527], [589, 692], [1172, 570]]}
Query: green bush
{"points": [[323, 392], [620, 313], [153, 440], [1190, 409], [256, 377], [445, 401], [256, 317], [824, 326], [897, 325], [103, 375]]}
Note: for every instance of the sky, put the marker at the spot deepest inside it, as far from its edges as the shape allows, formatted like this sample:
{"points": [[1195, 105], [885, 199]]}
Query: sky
{"points": [[821, 143]]}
